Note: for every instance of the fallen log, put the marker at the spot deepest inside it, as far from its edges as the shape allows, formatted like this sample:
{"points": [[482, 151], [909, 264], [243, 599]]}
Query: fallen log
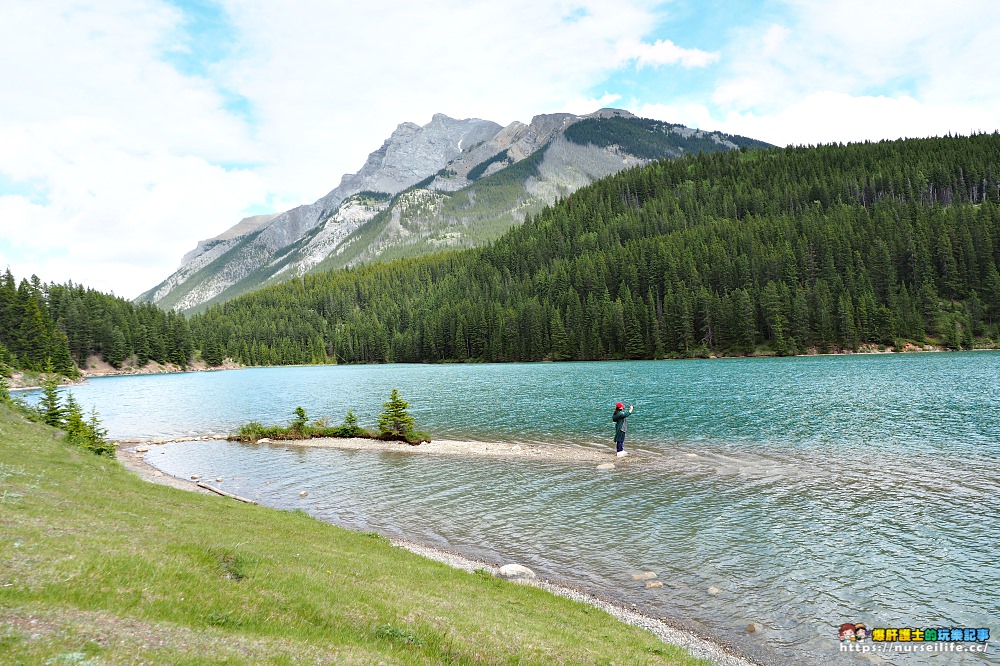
{"points": [[220, 491]]}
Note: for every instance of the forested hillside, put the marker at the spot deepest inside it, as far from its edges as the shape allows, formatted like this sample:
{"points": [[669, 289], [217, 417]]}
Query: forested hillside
{"points": [[653, 139], [773, 251], [61, 325]]}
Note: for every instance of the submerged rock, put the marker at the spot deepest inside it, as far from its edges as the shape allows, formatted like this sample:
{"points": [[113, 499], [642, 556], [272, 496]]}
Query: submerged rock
{"points": [[645, 575], [713, 591], [606, 466], [654, 583]]}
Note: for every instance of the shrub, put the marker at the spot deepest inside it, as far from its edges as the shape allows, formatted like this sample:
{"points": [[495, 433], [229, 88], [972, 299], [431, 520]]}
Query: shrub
{"points": [[350, 428], [299, 423]]}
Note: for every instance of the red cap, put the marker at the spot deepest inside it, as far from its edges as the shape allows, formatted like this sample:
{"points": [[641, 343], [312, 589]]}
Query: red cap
{"points": [[619, 405]]}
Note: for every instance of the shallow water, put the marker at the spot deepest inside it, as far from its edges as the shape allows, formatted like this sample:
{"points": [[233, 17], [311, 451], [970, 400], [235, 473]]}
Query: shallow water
{"points": [[805, 492]]}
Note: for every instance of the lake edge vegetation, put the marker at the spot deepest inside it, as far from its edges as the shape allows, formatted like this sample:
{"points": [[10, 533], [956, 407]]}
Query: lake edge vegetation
{"points": [[394, 424]]}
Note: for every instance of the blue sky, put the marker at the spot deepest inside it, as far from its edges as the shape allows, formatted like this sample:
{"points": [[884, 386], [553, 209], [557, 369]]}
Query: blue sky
{"points": [[131, 129]]}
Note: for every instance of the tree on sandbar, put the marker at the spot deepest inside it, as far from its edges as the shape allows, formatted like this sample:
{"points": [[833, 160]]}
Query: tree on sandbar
{"points": [[394, 422]]}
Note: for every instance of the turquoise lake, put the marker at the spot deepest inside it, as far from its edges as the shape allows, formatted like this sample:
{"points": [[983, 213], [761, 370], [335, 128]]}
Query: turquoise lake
{"points": [[793, 493]]}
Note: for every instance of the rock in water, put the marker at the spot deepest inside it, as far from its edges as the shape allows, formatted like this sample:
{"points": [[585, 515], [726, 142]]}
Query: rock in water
{"points": [[606, 466], [654, 583], [645, 575]]}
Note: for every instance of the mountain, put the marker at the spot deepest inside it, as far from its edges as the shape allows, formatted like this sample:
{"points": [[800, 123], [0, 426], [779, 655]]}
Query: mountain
{"points": [[888, 245], [450, 183]]}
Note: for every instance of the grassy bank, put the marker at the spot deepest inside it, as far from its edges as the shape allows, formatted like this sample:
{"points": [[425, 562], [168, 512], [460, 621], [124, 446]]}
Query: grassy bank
{"points": [[100, 567]]}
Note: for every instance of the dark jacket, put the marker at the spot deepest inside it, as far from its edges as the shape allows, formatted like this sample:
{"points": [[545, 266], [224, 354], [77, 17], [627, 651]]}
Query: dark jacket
{"points": [[620, 417]]}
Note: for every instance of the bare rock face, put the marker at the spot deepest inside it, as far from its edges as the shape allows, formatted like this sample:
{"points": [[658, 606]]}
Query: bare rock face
{"points": [[245, 226], [445, 157], [413, 153], [409, 155]]}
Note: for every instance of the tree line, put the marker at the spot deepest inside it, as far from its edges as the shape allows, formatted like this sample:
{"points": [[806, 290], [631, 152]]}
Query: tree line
{"points": [[752, 251], [59, 326]]}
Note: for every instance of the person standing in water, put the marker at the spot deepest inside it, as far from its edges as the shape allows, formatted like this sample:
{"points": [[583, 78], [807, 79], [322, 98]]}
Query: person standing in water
{"points": [[620, 417]]}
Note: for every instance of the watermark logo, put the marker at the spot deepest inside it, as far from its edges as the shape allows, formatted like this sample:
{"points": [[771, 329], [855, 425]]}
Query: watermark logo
{"points": [[857, 637], [853, 631]]}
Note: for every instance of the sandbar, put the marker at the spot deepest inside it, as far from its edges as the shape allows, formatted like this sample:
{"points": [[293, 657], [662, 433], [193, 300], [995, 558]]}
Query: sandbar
{"points": [[454, 447]]}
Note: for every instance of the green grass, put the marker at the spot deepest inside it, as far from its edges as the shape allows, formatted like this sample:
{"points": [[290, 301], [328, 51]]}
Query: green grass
{"points": [[100, 567]]}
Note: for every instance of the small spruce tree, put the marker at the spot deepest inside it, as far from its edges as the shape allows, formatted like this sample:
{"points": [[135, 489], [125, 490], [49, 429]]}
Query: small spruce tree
{"points": [[299, 423], [351, 427], [75, 426], [97, 437], [51, 406], [395, 422]]}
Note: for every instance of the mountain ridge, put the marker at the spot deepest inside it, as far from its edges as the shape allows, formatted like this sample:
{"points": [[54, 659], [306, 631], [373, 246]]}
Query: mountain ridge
{"points": [[468, 191]]}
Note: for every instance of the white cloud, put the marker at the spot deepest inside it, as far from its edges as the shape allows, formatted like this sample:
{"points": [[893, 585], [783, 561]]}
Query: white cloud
{"points": [[691, 114], [895, 48], [128, 153], [665, 52], [120, 145], [831, 117], [130, 161], [774, 39], [584, 105], [853, 71]]}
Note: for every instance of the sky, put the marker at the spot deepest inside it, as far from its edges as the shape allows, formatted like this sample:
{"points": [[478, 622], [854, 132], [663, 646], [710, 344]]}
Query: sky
{"points": [[131, 129]]}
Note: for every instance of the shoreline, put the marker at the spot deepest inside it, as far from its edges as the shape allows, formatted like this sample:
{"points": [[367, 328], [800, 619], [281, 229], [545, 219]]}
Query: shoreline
{"points": [[700, 646], [153, 368]]}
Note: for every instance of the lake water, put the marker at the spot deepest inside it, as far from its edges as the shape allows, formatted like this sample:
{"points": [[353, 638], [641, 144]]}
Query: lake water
{"points": [[793, 493]]}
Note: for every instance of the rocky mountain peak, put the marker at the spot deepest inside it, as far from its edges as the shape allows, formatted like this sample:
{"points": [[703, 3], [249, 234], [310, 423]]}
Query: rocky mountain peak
{"points": [[458, 202]]}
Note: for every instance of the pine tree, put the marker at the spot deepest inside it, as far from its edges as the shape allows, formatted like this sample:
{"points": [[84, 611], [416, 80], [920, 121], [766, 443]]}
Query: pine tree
{"points": [[62, 360], [560, 341], [51, 406], [350, 428], [395, 422], [33, 334], [97, 437], [7, 359], [75, 426]]}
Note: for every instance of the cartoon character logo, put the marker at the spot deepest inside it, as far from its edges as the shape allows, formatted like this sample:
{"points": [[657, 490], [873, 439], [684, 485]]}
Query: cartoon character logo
{"points": [[860, 631], [847, 632]]}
